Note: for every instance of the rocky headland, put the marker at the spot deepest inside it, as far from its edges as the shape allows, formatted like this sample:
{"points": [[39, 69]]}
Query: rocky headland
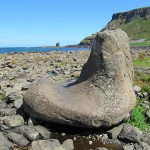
{"points": [[136, 23]]}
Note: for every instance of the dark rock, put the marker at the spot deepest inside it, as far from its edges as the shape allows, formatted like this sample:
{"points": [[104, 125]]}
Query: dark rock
{"points": [[148, 115], [101, 97], [130, 134], [113, 133]]}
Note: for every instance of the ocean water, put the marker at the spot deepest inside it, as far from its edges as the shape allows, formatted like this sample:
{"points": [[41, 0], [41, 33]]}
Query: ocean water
{"points": [[38, 49]]}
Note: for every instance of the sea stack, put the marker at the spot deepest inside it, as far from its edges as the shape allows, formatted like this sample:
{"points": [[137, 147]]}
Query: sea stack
{"points": [[101, 97]]}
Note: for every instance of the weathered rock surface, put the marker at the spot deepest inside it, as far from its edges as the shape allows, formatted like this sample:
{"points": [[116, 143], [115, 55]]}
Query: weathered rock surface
{"points": [[13, 121], [130, 133], [101, 97], [17, 139], [4, 143]]}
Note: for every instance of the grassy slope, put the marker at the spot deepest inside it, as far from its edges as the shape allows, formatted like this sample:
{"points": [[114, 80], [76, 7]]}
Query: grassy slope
{"points": [[137, 29], [138, 118]]}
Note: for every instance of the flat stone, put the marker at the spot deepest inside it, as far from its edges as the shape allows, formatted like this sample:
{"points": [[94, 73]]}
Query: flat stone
{"points": [[18, 139], [13, 121], [128, 147], [51, 144], [102, 96]]}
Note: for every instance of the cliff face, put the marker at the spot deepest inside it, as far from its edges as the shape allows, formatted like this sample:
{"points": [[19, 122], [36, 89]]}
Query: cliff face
{"points": [[119, 19], [136, 23]]}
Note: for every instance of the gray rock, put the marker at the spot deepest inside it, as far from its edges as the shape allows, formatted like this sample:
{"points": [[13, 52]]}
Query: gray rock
{"points": [[29, 132], [26, 86], [136, 88], [144, 146], [145, 94], [68, 144], [44, 133], [18, 103], [128, 147], [101, 97], [51, 144], [104, 137], [7, 111], [33, 132], [4, 143], [2, 104], [15, 96], [130, 133], [13, 121], [113, 133], [17, 139], [146, 139]]}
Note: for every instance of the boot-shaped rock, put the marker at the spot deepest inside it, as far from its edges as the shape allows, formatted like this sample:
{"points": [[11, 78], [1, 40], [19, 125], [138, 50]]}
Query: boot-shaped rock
{"points": [[101, 97]]}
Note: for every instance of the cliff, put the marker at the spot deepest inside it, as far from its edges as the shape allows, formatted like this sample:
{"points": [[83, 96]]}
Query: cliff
{"points": [[136, 23]]}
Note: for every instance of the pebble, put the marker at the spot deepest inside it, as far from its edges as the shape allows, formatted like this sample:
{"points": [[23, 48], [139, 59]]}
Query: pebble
{"points": [[90, 142]]}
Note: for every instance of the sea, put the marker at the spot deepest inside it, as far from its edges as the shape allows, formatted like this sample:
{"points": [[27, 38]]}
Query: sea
{"points": [[39, 49]]}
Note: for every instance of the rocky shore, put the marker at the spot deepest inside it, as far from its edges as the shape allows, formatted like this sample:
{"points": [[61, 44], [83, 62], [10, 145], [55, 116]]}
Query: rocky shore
{"points": [[20, 131]]}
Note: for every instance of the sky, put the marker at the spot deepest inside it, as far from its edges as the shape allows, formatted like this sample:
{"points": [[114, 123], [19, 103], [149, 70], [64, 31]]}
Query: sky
{"points": [[25, 23]]}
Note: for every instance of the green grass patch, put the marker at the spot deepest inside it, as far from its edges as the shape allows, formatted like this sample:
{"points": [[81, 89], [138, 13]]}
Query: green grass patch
{"points": [[143, 62], [140, 44], [2, 96], [138, 118], [137, 28]]}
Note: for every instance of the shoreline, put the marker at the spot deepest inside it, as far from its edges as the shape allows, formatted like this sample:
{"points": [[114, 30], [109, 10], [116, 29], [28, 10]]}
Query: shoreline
{"points": [[133, 49]]}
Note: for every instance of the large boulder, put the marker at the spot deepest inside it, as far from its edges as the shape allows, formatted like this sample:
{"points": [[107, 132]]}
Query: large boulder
{"points": [[101, 97]]}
